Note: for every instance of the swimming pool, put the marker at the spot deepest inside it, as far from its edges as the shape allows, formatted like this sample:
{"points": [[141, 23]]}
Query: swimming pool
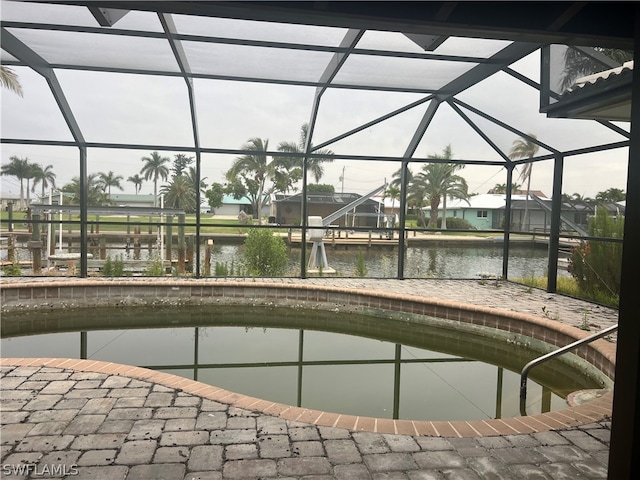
{"points": [[337, 360]]}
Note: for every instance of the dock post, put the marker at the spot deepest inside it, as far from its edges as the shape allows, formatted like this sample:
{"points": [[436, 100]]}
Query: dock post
{"points": [[168, 238], [69, 233], [103, 248], [207, 258], [10, 215], [35, 245], [181, 244], [52, 239], [190, 253], [11, 248]]}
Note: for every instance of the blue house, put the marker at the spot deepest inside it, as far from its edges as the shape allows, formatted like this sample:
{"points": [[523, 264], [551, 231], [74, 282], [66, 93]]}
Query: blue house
{"points": [[486, 211]]}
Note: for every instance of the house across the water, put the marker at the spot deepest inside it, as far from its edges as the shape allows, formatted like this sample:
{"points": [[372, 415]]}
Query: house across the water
{"points": [[287, 209], [486, 211]]}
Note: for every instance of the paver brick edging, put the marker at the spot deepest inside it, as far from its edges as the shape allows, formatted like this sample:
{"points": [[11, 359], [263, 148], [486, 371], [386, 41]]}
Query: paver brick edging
{"points": [[594, 411]]}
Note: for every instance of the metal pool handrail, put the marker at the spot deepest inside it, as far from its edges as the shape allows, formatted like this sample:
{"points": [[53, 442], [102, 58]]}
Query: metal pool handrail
{"points": [[555, 353]]}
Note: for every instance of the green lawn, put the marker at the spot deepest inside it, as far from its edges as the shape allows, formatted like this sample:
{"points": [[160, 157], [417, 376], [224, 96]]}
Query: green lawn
{"points": [[569, 286], [113, 223]]}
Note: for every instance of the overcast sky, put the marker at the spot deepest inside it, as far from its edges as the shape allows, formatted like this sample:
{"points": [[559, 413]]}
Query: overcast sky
{"points": [[138, 109]]}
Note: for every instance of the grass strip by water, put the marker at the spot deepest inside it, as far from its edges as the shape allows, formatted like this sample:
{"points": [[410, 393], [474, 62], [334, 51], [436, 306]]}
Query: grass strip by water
{"points": [[569, 286]]}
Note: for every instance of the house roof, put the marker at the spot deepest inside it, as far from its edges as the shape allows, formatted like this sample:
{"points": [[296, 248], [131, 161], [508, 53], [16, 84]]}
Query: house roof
{"points": [[127, 197], [483, 201], [323, 198], [626, 69], [230, 200], [605, 94]]}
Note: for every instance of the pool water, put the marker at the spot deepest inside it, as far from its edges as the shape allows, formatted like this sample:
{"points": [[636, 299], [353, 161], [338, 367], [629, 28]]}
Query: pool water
{"points": [[326, 360]]}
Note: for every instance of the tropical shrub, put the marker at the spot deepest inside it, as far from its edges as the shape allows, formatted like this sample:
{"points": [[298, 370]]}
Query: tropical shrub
{"points": [[224, 270], [596, 264], [155, 268], [265, 255], [361, 267], [113, 268], [12, 270], [456, 223]]}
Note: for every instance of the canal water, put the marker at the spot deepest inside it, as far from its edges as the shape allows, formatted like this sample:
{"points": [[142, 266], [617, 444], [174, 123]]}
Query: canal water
{"points": [[459, 261], [455, 261]]}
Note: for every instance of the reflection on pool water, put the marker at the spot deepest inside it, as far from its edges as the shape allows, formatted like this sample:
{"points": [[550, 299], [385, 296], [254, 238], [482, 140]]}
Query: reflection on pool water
{"points": [[325, 360]]}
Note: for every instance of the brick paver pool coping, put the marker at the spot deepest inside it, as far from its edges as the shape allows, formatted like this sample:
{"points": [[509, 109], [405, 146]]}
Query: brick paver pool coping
{"points": [[600, 353]]}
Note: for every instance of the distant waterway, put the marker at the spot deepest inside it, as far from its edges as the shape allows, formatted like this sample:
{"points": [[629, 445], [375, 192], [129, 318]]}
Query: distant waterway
{"points": [[458, 260], [454, 261]]}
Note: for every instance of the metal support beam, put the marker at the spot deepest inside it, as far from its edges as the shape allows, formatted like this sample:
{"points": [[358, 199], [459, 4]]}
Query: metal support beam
{"points": [[411, 149], [397, 368], [507, 223], [300, 366], [107, 17], [427, 42], [624, 452], [84, 215], [372, 122], [479, 131], [506, 126], [402, 232], [15, 47], [555, 95], [181, 58], [22, 52], [500, 60], [349, 42], [554, 237]]}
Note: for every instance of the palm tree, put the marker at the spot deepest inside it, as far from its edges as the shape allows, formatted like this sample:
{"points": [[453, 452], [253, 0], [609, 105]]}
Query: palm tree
{"points": [[393, 193], [611, 195], [577, 64], [22, 170], [180, 164], [179, 193], [396, 178], [137, 182], [190, 176], [502, 188], [155, 167], [95, 193], [525, 148], [108, 180], [8, 79], [412, 195], [416, 194], [43, 176], [314, 164], [439, 181], [252, 171]]}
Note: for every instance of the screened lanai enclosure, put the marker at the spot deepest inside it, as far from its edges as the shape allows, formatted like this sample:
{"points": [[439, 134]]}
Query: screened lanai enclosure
{"points": [[106, 88], [198, 108]]}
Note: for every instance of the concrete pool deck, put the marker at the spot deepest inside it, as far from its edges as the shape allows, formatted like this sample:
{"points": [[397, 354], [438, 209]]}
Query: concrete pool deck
{"points": [[112, 421]]}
